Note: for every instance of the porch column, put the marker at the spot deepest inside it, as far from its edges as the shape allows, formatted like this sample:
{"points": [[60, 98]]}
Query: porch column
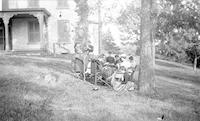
{"points": [[46, 39], [40, 18], [6, 22]]}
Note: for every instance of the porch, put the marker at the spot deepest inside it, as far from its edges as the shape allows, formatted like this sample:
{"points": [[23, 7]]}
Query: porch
{"points": [[24, 29]]}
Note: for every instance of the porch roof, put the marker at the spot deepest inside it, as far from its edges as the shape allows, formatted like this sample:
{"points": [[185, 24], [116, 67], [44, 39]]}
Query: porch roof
{"points": [[27, 10]]}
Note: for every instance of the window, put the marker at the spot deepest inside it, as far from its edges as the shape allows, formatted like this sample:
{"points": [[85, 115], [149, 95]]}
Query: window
{"points": [[62, 4], [34, 32], [33, 3], [63, 31]]}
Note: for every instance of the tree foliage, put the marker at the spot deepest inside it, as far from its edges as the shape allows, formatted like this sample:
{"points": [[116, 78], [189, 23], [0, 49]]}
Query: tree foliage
{"points": [[129, 22], [82, 10], [108, 43], [178, 29]]}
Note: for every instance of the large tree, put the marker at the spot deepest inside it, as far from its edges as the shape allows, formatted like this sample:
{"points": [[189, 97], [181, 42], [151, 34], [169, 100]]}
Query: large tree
{"points": [[136, 21], [146, 76]]}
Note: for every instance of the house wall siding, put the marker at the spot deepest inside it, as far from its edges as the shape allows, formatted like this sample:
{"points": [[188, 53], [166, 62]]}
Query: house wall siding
{"points": [[4, 4], [60, 14], [57, 13], [1, 5]]}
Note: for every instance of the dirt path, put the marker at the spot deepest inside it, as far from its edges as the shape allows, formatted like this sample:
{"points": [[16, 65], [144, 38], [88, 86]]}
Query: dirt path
{"points": [[70, 99]]}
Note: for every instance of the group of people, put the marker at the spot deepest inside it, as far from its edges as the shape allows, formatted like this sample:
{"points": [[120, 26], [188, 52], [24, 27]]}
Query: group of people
{"points": [[123, 61], [123, 77], [119, 69]]}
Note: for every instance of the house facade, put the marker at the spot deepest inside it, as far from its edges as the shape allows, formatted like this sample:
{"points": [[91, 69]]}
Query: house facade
{"points": [[28, 25]]}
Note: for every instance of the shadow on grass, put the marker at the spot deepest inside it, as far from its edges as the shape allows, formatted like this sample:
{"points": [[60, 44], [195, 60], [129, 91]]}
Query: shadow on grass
{"points": [[13, 61], [180, 100], [66, 68], [177, 100], [178, 75], [57, 66], [62, 67], [171, 115], [160, 63]]}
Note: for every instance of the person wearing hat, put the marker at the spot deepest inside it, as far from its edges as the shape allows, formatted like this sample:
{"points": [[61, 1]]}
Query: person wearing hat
{"points": [[110, 59]]}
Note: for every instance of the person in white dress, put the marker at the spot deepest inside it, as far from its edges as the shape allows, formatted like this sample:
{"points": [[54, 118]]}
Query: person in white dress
{"points": [[121, 79]]}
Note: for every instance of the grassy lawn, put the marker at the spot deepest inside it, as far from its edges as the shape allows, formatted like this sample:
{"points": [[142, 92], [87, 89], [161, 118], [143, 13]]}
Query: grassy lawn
{"points": [[44, 90]]}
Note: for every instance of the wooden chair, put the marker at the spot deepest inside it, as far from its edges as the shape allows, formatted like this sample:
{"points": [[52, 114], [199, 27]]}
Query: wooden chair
{"points": [[96, 72]]}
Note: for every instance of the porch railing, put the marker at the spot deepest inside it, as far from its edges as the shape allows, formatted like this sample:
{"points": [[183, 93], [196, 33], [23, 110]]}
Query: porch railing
{"points": [[60, 45]]}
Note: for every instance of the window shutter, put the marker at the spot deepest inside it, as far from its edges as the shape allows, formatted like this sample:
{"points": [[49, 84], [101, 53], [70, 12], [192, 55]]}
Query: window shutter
{"points": [[33, 3], [62, 3], [63, 31], [5, 4], [34, 32]]}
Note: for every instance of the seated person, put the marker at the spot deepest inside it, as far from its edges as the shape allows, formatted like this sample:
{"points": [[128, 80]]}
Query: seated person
{"points": [[117, 81], [125, 63], [119, 63], [110, 59], [132, 61], [77, 48], [117, 59], [129, 65], [89, 48], [93, 66], [101, 58]]}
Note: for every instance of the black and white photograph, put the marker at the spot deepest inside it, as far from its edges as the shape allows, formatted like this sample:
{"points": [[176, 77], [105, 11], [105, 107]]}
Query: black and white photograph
{"points": [[99, 60]]}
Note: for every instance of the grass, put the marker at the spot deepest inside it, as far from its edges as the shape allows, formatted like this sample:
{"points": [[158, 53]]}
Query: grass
{"points": [[16, 105], [25, 95]]}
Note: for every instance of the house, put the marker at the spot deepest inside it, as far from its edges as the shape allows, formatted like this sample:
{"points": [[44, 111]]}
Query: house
{"points": [[29, 25]]}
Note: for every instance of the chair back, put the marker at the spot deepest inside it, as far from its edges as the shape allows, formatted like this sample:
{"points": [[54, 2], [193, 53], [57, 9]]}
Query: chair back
{"points": [[79, 65]]}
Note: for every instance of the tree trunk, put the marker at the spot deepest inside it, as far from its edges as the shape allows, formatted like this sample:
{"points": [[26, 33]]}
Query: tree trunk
{"points": [[146, 76], [153, 51], [82, 10], [154, 25], [195, 64], [99, 27]]}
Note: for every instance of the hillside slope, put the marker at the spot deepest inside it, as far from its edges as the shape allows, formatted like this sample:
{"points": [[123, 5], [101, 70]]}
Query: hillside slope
{"points": [[46, 90]]}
